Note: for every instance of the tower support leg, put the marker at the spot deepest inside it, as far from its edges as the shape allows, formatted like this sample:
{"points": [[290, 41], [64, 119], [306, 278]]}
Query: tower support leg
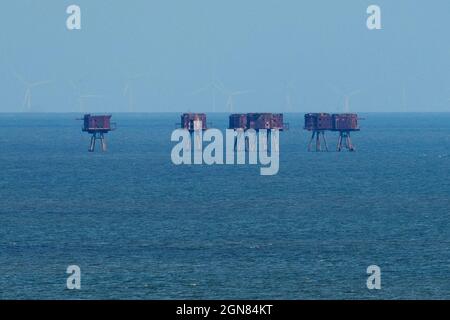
{"points": [[318, 147], [325, 141], [318, 135], [311, 141], [349, 142], [103, 140], [92, 145], [345, 141], [339, 145], [97, 136]]}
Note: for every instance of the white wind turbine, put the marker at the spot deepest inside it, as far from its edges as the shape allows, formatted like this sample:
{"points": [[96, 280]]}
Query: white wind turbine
{"points": [[82, 97], [231, 96], [129, 92], [404, 105], [213, 86], [347, 98], [288, 96], [27, 106]]}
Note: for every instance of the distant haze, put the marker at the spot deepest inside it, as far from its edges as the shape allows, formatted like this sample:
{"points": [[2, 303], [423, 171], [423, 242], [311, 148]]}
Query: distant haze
{"points": [[288, 56]]}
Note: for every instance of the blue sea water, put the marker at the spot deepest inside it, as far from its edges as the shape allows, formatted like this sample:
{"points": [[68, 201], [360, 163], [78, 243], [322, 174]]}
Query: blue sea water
{"points": [[140, 227]]}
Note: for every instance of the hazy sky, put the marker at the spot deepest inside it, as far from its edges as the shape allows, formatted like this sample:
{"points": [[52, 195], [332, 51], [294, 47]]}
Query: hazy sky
{"points": [[255, 45]]}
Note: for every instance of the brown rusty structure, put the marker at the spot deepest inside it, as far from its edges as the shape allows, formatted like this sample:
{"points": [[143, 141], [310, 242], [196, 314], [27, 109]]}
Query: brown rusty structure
{"points": [[193, 121], [268, 121], [97, 126], [319, 123], [241, 122], [238, 121], [345, 123], [257, 121]]}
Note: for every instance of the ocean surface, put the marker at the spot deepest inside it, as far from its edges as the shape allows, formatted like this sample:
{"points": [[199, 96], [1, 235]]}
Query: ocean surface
{"points": [[140, 227]]}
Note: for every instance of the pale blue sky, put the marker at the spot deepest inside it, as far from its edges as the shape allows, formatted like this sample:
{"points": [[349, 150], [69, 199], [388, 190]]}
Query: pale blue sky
{"points": [[254, 45]]}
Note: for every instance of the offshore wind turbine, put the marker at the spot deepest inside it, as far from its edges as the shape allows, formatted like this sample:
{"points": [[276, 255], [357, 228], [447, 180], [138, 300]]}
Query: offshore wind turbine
{"points": [[214, 86], [405, 91], [82, 97], [404, 105], [27, 105], [231, 96], [346, 97], [129, 92], [288, 96], [347, 100]]}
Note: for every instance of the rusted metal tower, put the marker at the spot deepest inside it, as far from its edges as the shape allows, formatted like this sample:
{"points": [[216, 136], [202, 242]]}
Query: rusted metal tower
{"points": [[242, 122], [238, 123], [195, 123], [345, 123], [97, 126], [318, 123]]}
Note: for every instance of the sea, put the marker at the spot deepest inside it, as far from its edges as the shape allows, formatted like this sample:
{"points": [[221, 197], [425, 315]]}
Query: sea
{"points": [[140, 227]]}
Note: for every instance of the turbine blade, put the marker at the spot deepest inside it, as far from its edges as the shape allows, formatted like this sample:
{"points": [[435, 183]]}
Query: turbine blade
{"points": [[336, 91], [40, 83], [20, 78], [25, 98], [353, 93], [73, 85], [136, 76], [220, 86], [90, 96], [289, 85], [237, 93], [222, 89], [196, 92]]}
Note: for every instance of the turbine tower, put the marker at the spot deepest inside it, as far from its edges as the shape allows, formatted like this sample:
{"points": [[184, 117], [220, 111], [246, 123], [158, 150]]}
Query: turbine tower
{"points": [[231, 96], [213, 86], [404, 106], [82, 97], [288, 96], [129, 92], [347, 98], [27, 105]]}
